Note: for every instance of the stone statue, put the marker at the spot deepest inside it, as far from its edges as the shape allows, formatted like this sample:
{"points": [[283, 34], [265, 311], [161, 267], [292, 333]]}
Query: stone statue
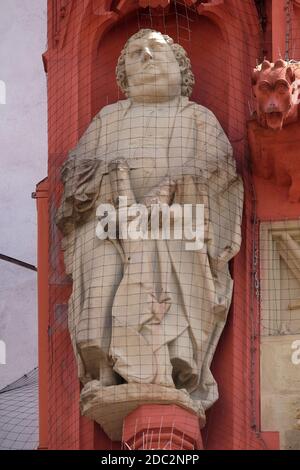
{"points": [[145, 316], [274, 130]]}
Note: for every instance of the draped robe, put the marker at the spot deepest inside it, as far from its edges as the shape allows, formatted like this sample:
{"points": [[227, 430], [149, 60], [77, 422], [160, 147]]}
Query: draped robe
{"points": [[150, 311]]}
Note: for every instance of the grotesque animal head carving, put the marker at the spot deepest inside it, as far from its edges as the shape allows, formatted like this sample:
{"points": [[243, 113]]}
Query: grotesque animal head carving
{"points": [[274, 89]]}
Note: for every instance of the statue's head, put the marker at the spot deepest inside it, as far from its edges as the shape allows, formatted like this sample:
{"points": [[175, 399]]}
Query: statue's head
{"points": [[152, 68], [273, 88]]}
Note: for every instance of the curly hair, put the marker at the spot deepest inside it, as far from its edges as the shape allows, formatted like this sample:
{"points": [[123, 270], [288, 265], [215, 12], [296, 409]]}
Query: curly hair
{"points": [[180, 54]]}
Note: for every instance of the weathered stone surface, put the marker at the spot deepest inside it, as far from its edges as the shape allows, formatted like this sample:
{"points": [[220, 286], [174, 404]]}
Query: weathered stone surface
{"points": [[150, 312], [108, 406], [274, 131]]}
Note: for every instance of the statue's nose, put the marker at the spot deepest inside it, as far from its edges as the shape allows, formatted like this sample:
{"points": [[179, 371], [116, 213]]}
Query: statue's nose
{"points": [[273, 105], [147, 54]]}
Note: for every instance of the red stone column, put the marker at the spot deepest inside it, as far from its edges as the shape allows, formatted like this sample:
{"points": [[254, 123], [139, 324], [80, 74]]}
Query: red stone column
{"points": [[168, 427], [41, 197]]}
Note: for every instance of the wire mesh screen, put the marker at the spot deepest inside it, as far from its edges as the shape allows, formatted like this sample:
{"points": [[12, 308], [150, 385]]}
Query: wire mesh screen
{"points": [[146, 201], [293, 35], [277, 249], [19, 413], [280, 290]]}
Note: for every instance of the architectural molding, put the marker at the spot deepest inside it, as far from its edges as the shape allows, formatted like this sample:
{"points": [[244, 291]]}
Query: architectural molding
{"points": [[61, 13]]}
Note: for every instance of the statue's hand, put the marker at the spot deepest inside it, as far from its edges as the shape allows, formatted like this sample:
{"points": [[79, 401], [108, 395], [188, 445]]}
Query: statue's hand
{"points": [[119, 174], [161, 194], [118, 164]]}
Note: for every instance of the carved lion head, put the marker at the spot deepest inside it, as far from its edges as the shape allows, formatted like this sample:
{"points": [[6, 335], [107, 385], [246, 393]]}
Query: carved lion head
{"points": [[274, 90]]}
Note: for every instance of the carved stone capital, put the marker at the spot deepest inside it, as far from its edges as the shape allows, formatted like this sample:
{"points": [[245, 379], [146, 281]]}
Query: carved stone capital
{"points": [[162, 427], [109, 406], [276, 156]]}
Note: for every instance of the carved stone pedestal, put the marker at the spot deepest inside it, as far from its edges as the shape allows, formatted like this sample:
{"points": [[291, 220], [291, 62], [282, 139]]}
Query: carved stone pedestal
{"points": [[109, 406], [162, 427], [276, 156]]}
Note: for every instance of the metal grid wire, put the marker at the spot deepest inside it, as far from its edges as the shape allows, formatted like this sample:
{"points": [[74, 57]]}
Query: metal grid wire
{"points": [[19, 413], [155, 140], [85, 143], [280, 277]]}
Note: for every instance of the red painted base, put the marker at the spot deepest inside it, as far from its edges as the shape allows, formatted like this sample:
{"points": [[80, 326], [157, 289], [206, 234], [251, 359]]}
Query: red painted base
{"points": [[162, 427]]}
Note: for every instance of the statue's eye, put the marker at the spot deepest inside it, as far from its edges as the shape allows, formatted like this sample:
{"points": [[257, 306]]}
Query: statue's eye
{"points": [[136, 53], [156, 45], [264, 88], [282, 88]]}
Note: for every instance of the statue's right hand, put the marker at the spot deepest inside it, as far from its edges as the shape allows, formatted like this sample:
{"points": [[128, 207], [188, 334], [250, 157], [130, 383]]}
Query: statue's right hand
{"points": [[119, 175], [118, 164]]}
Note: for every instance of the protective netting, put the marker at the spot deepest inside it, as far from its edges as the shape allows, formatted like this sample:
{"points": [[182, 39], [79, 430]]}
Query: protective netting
{"points": [[280, 277], [292, 32], [19, 413], [144, 314], [276, 247]]}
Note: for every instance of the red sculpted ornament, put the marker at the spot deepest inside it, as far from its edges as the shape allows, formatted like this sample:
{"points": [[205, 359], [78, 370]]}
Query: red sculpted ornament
{"points": [[274, 93], [274, 131]]}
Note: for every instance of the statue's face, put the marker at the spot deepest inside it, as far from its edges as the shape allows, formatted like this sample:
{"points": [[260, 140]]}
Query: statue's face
{"points": [[153, 73], [274, 97]]}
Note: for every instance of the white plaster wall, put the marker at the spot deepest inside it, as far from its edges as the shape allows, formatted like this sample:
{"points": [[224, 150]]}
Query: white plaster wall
{"points": [[23, 162]]}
